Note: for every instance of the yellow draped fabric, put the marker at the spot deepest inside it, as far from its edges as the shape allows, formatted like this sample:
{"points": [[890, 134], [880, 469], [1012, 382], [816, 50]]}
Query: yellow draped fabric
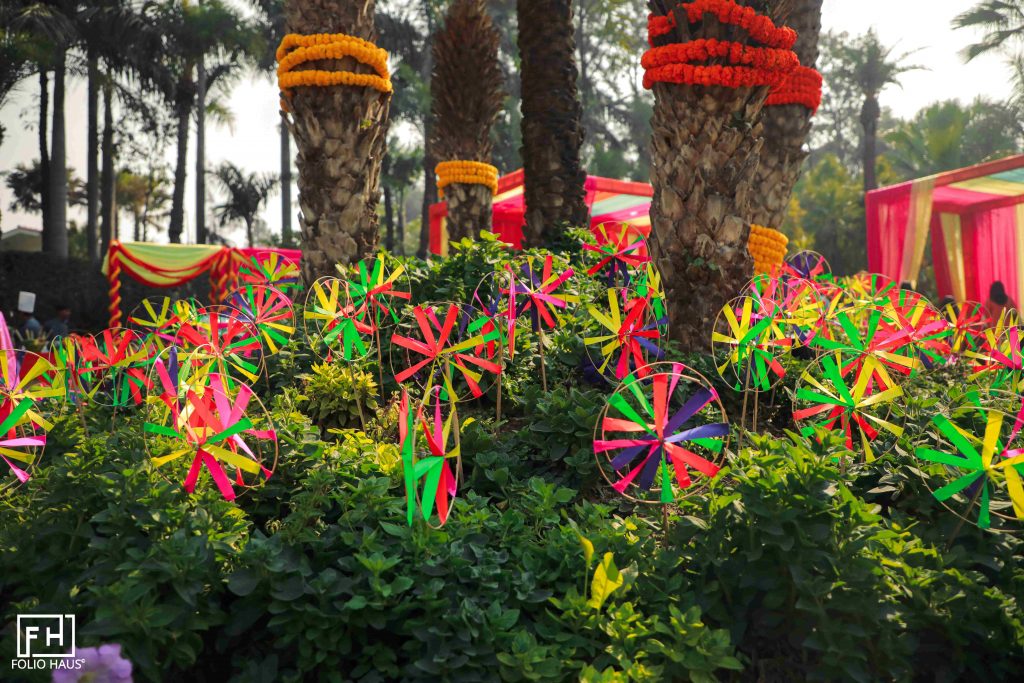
{"points": [[163, 265], [952, 236], [919, 220]]}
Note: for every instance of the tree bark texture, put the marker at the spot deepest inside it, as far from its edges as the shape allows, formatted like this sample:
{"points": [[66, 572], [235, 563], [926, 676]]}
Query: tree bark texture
{"points": [[786, 128], [177, 224], [286, 182], [552, 119], [869, 115], [341, 135], [704, 156], [466, 98], [44, 147]]}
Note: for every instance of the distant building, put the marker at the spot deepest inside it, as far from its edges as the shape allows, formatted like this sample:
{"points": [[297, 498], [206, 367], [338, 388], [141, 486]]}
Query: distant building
{"points": [[21, 238]]}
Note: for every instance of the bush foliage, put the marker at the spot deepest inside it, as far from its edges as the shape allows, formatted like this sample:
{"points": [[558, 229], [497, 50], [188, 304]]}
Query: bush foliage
{"points": [[788, 568]]}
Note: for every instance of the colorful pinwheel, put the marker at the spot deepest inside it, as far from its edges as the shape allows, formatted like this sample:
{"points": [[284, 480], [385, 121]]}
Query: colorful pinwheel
{"points": [[621, 252], [112, 367], [807, 265], [271, 269], [270, 311], [534, 293], [648, 285], [999, 361], [826, 398], [226, 340], [30, 384], [925, 330], [969, 322], [447, 346], [746, 338], [985, 456], [628, 337], [333, 323], [204, 425], [869, 288], [374, 288], [439, 469], [877, 336], [655, 430], [160, 317]]}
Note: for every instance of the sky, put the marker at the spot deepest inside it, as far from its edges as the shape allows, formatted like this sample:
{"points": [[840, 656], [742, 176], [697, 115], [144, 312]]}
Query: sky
{"points": [[921, 25]]}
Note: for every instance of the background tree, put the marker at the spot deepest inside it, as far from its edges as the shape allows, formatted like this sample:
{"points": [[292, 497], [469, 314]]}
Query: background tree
{"points": [[704, 156], [1002, 24], [786, 128], [341, 134], [552, 126], [246, 195], [873, 67], [26, 183], [466, 98]]}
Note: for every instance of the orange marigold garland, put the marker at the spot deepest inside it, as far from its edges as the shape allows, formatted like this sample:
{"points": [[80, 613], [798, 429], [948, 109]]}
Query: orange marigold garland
{"points": [[466, 172], [802, 86], [759, 27], [767, 247], [295, 50]]}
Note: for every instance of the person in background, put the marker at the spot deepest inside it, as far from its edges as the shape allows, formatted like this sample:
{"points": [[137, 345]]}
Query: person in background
{"points": [[998, 301], [28, 325], [59, 326]]}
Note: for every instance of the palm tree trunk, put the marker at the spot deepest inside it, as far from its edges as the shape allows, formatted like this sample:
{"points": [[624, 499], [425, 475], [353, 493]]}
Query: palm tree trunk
{"points": [[248, 232], [786, 128], [56, 242], [869, 114], [400, 228], [341, 135], [552, 128], [704, 156], [107, 173], [469, 210], [136, 227], [177, 224], [201, 153], [286, 183], [44, 148], [389, 221], [429, 191], [92, 178]]}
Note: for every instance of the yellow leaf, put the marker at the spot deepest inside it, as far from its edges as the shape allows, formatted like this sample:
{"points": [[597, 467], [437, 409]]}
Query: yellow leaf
{"points": [[607, 580]]}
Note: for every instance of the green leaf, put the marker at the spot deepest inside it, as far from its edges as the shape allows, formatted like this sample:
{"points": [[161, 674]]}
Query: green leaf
{"points": [[607, 580], [588, 548], [243, 582]]}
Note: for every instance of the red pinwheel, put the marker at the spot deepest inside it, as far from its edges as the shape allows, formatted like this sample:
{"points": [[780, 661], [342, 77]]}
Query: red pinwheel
{"points": [[438, 468], [447, 346], [621, 250], [158, 319], [1000, 361], [655, 431], [334, 324], [374, 288], [969, 321], [227, 340], [926, 331], [807, 265], [112, 367], [28, 384], [534, 293], [203, 425], [627, 337]]}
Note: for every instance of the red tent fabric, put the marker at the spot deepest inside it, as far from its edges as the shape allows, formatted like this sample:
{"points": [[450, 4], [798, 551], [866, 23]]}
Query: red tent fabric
{"points": [[608, 200]]}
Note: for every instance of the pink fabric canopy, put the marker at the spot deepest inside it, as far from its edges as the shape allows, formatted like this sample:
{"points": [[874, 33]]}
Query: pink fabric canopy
{"points": [[974, 217]]}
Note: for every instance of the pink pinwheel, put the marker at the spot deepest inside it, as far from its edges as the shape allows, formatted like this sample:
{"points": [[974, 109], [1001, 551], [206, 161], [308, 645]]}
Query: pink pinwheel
{"points": [[621, 249], [534, 292], [654, 431], [27, 383], [629, 336], [227, 338], [112, 367], [211, 428], [449, 342]]}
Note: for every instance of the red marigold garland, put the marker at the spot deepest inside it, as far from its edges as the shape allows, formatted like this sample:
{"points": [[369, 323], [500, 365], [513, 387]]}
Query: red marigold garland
{"points": [[801, 86], [759, 27]]}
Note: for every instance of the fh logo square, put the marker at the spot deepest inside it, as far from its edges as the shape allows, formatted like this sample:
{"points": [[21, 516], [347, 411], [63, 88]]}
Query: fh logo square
{"points": [[46, 635]]}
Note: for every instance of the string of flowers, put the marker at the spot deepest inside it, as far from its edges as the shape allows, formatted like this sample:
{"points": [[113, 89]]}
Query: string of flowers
{"points": [[467, 173], [296, 49], [767, 246], [759, 27], [704, 49], [801, 86]]}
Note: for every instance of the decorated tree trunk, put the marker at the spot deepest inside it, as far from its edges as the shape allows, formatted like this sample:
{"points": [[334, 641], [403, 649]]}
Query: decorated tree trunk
{"points": [[340, 133], [466, 98], [786, 127], [552, 127], [704, 153]]}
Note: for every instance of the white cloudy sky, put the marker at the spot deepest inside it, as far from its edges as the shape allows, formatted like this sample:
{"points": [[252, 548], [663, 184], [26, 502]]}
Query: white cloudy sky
{"points": [[923, 25]]}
